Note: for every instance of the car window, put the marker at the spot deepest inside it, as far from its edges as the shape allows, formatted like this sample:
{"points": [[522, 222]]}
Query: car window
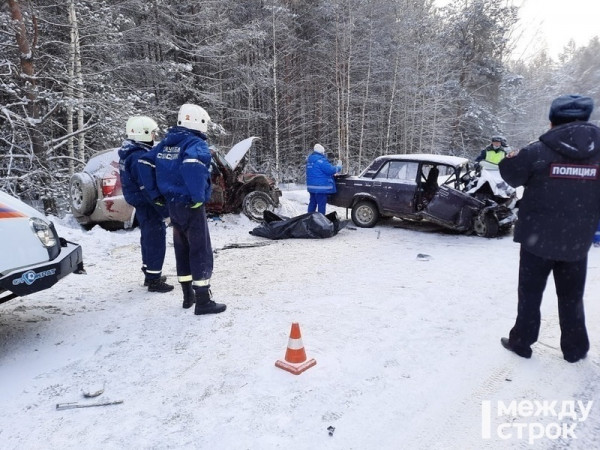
{"points": [[400, 171], [446, 174]]}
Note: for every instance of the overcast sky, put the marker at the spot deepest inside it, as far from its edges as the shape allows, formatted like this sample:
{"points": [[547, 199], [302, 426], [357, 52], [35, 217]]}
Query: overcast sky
{"points": [[553, 23], [556, 22]]}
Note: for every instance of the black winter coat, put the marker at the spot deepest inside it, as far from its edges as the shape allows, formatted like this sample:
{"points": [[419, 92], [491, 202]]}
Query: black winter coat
{"points": [[560, 208]]}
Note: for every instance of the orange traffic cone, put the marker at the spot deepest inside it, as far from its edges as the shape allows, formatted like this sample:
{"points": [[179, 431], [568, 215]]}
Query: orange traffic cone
{"points": [[295, 356]]}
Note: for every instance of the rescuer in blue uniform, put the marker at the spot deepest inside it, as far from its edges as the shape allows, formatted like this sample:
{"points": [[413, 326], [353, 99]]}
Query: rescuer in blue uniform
{"points": [[150, 217], [319, 179], [558, 215], [176, 172]]}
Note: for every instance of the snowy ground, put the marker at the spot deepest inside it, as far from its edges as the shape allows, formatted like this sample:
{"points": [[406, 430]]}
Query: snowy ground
{"points": [[407, 348]]}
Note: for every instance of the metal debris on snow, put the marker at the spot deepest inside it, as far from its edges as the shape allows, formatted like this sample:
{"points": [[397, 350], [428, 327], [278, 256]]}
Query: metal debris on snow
{"points": [[73, 405]]}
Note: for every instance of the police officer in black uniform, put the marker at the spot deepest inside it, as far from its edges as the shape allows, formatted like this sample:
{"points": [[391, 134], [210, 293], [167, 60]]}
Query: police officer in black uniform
{"points": [[558, 215]]}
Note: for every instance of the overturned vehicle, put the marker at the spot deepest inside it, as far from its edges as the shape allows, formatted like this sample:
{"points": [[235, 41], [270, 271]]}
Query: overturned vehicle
{"points": [[446, 190]]}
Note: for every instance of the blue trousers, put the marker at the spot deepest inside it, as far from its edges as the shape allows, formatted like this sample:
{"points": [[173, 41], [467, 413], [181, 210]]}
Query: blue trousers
{"points": [[191, 239], [317, 202], [569, 278], [152, 239]]}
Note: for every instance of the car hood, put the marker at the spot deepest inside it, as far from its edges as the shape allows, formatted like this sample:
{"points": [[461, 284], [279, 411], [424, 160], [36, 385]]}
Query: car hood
{"points": [[499, 187], [238, 151], [13, 207]]}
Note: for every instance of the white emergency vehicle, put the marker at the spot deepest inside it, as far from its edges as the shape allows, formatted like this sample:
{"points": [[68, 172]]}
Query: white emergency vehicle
{"points": [[32, 255]]}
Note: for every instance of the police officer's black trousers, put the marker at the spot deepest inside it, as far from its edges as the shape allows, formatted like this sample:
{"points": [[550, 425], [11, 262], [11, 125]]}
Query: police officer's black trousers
{"points": [[152, 239], [191, 239], [569, 279]]}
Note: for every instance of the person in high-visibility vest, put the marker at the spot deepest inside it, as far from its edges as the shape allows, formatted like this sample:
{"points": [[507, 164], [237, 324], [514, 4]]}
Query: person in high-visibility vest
{"points": [[495, 152]]}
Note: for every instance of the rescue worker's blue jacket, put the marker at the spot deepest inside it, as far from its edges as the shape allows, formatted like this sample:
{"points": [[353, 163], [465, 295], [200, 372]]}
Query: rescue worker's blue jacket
{"points": [[178, 167], [131, 183], [319, 174]]}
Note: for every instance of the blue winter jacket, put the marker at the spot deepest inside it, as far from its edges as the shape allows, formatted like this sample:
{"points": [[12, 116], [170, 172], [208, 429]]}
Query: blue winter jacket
{"points": [[178, 167], [132, 186], [319, 174]]}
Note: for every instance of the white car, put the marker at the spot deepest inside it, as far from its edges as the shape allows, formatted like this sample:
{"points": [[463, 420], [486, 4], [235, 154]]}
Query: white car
{"points": [[33, 256]]}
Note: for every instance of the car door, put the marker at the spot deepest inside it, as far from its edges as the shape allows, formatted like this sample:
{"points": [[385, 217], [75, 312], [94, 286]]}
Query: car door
{"points": [[450, 206], [396, 183]]}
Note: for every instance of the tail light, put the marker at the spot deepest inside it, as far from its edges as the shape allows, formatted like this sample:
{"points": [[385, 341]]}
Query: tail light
{"points": [[108, 185]]}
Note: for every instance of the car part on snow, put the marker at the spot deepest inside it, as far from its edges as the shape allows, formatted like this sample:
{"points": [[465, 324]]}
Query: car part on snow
{"points": [[73, 405], [93, 394]]}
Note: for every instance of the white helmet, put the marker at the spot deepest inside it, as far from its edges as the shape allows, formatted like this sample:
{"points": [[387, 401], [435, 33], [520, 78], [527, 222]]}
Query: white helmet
{"points": [[140, 128], [193, 117]]}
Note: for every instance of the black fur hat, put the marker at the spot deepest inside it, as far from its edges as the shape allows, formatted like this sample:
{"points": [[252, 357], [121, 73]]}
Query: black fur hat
{"points": [[569, 108]]}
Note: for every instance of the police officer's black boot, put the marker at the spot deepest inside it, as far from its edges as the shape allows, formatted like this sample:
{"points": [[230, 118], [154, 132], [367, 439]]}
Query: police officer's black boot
{"points": [[189, 296], [204, 304], [158, 285]]}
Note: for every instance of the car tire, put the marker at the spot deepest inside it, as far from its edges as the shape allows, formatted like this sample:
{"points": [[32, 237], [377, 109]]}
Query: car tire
{"points": [[256, 203], [365, 214], [82, 193], [486, 225]]}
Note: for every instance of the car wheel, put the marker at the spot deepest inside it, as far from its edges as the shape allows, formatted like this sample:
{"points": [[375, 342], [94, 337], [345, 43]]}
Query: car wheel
{"points": [[486, 225], [82, 191], [256, 203], [365, 214]]}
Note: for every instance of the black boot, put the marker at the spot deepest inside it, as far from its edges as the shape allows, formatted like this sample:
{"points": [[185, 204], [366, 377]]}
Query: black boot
{"points": [[163, 278], [159, 285], [204, 304], [189, 296], [522, 352]]}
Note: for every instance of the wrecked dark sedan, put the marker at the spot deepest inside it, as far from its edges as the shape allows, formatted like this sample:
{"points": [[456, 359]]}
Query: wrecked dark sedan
{"points": [[446, 190]]}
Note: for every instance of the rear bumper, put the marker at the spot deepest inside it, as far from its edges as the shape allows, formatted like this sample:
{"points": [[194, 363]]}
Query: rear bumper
{"points": [[27, 280]]}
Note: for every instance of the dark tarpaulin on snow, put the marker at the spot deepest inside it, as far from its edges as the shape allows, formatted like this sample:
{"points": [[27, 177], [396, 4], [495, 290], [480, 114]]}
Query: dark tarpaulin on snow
{"points": [[307, 226]]}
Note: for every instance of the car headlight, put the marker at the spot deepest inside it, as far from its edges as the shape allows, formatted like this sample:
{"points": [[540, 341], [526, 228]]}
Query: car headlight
{"points": [[43, 231]]}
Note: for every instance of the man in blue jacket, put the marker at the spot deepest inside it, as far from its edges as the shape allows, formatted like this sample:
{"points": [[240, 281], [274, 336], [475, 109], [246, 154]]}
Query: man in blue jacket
{"points": [[319, 179], [150, 217], [176, 171], [558, 215]]}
